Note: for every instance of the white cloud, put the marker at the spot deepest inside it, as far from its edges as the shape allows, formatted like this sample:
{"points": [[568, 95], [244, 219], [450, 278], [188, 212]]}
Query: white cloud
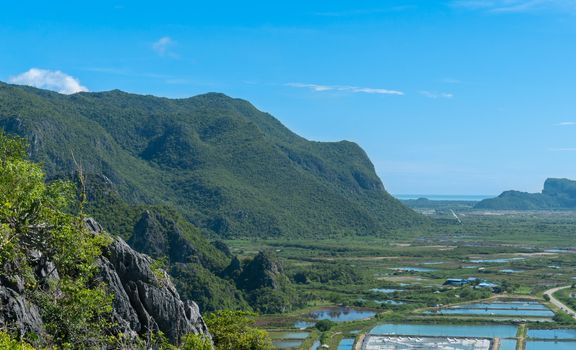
{"points": [[566, 123], [163, 45], [345, 88], [517, 6], [50, 80], [436, 95]]}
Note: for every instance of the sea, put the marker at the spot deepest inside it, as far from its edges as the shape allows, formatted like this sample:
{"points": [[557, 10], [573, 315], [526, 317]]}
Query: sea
{"points": [[446, 197]]}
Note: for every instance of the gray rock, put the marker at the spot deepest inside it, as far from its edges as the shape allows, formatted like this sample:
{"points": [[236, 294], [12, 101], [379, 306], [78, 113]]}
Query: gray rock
{"points": [[145, 298], [17, 314]]}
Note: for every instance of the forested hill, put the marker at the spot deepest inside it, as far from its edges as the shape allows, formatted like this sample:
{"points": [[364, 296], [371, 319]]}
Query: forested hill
{"points": [[557, 194], [221, 163]]}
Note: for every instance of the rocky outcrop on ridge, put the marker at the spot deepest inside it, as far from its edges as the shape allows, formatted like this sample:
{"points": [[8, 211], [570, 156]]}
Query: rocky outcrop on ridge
{"points": [[145, 300]]}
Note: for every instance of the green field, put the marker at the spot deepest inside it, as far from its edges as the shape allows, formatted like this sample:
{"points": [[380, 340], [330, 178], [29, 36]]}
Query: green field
{"points": [[523, 253]]}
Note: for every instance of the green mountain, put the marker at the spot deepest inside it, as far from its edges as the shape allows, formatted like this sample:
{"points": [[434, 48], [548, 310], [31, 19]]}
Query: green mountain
{"points": [[557, 194], [218, 162], [165, 174]]}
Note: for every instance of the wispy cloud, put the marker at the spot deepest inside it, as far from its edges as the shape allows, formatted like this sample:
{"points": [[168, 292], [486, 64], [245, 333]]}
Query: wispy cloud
{"points": [[436, 95], [50, 80], [517, 6], [567, 123], [563, 149], [164, 46], [345, 88]]}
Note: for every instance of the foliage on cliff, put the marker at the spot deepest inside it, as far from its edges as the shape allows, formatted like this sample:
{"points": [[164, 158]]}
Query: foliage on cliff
{"points": [[37, 232]]}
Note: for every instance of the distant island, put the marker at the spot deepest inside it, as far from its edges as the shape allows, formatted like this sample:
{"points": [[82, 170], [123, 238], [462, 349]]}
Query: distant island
{"points": [[557, 194]]}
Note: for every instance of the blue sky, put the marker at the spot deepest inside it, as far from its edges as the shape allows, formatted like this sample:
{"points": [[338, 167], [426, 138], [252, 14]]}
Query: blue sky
{"points": [[446, 97]]}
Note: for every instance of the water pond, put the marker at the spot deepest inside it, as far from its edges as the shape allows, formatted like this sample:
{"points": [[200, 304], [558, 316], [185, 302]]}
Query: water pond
{"points": [[559, 251], [507, 344], [489, 331], [289, 335], [342, 314], [389, 302], [528, 309], [493, 312], [386, 290], [513, 305], [552, 333], [316, 345], [413, 269], [511, 271], [495, 261], [550, 345], [304, 324], [286, 344], [346, 344]]}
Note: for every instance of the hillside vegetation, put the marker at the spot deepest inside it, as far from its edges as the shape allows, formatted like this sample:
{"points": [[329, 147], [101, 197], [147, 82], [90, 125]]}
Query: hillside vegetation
{"points": [[66, 284], [221, 164]]}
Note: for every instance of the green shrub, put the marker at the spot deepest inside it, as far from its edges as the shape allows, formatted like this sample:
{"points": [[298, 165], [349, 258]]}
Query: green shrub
{"points": [[234, 330], [324, 325], [35, 216], [196, 342]]}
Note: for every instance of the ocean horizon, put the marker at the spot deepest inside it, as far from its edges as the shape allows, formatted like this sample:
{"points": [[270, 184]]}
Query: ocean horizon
{"points": [[445, 197]]}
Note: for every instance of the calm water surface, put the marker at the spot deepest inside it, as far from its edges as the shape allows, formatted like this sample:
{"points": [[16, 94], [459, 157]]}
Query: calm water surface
{"points": [[552, 333], [385, 290], [289, 335], [346, 344], [495, 261], [507, 305], [517, 308], [550, 345], [507, 344], [491, 312], [342, 314], [491, 331], [304, 324], [286, 344], [413, 269], [389, 302]]}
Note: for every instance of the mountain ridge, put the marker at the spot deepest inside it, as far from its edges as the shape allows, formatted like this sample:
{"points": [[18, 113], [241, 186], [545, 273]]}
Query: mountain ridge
{"points": [[229, 168], [556, 194]]}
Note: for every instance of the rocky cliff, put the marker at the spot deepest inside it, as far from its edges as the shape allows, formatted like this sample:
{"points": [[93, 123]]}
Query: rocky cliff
{"points": [[145, 300]]}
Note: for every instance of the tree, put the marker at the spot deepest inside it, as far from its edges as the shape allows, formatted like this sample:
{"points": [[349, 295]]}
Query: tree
{"points": [[36, 217], [234, 330], [324, 325]]}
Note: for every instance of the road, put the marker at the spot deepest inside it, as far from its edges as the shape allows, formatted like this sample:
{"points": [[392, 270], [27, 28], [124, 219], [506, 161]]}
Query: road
{"points": [[558, 303]]}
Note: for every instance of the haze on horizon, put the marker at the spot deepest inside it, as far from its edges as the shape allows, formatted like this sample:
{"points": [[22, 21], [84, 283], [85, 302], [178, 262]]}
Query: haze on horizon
{"points": [[446, 97]]}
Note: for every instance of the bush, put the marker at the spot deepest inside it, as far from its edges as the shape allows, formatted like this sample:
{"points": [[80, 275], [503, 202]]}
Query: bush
{"points": [[234, 330], [324, 325], [196, 342], [9, 343], [35, 216]]}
